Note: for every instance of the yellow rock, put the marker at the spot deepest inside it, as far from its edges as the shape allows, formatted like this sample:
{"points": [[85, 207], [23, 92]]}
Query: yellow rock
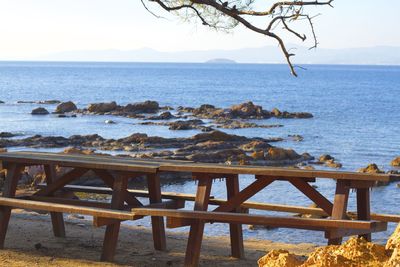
{"points": [[394, 239], [355, 252], [281, 258], [394, 260]]}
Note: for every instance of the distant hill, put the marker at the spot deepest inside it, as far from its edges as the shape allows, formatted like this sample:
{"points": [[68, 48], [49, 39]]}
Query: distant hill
{"points": [[221, 61], [380, 55]]}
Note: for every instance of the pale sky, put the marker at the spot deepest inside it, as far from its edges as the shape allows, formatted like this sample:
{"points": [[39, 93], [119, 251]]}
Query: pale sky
{"points": [[32, 28]]}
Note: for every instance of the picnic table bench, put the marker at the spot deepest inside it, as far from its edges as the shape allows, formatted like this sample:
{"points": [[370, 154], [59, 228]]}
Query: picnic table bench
{"points": [[116, 171]]}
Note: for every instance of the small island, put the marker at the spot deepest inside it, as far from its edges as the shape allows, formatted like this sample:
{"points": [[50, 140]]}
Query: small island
{"points": [[221, 61]]}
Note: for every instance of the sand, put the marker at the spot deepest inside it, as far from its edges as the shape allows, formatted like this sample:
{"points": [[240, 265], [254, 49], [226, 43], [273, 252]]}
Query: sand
{"points": [[30, 242]]}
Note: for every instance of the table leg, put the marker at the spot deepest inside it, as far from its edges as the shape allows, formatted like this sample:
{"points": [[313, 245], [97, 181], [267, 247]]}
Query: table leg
{"points": [[363, 208], [10, 186], [236, 231], [157, 223], [117, 202], [56, 217], [340, 206], [197, 227]]}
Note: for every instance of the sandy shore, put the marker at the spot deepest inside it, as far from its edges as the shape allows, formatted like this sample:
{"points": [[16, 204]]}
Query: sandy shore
{"points": [[30, 242]]}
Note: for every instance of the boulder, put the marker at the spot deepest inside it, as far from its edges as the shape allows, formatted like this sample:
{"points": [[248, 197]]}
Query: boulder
{"points": [[258, 155], [7, 135], [246, 110], [277, 153], [333, 164], [39, 111], [109, 122], [217, 136], [142, 107], [74, 150], [49, 102], [2, 102], [281, 258], [354, 252], [255, 145], [163, 116], [395, 162], [185, 125], [216, 157], [394, 239], [102, 107], [394, 260], [326, 157], [371, 168], [65, 107]]}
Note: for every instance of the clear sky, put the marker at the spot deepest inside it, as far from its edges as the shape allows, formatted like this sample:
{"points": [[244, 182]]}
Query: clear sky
{"points": [[31, 28]]}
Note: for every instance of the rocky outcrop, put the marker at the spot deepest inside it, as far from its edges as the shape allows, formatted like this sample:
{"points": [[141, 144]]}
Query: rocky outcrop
{"points": [[99, 108], [354, 252], [290, 115], [281, 258], [328, 161], [8, 135], [185, 125], [163, 116], [371, 168], [142, 107], [40, 111], [280, 154], [248, 110], [65, 107], [395, 162], [394, 239]]}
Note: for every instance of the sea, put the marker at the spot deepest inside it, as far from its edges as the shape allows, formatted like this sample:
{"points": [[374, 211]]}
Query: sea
{"points": [[356, 116]]}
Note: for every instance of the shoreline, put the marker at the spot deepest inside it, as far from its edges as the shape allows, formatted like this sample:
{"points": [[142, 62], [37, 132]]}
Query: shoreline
{"points": [[30, 242]]}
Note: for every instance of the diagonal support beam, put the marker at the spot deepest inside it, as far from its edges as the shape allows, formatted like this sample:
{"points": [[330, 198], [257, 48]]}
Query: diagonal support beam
{"points": [[60, 182], [245, 194], [313, 194], [108, 179]]}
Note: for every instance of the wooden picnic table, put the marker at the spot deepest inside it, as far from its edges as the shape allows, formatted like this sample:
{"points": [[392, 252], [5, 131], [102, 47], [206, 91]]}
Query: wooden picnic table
{"points": [[335, 228], [116, 171]]}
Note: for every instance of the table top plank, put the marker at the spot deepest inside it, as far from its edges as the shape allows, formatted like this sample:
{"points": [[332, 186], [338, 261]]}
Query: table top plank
{"points": [[164, 165]]}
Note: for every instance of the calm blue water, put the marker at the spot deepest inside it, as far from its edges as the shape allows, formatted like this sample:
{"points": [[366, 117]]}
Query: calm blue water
{"points": [[356, 112]]}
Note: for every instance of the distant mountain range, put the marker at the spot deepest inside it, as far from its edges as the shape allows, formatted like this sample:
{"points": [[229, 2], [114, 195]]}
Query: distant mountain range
{"points": [[379, 55]]}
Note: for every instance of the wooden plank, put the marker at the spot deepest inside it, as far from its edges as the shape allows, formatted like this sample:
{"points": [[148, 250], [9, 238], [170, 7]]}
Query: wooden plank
{"points": [[197, 227], [9, 188], [314, 195], [108, 179], [112, 230], [157, 223], [61, 181], [171, 204], [363, 208], [341, 232], [78, 162], [275, 221], [245, 194], [57, 218], [38, 205], [248, 204], [236, 231], [135, 192], [339, 206], [271, 171]]}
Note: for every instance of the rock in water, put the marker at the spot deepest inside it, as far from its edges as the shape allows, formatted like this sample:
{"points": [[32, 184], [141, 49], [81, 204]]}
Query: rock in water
{"points": [[102, 107], [143, 107], [66, 107], [109, 122], [281, 258], [39, 111], [2, 102], [395, 162], [371, 168]]}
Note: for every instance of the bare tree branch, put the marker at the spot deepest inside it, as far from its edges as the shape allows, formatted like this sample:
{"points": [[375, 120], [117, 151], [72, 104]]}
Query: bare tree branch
{"points": [[227, 14]]}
